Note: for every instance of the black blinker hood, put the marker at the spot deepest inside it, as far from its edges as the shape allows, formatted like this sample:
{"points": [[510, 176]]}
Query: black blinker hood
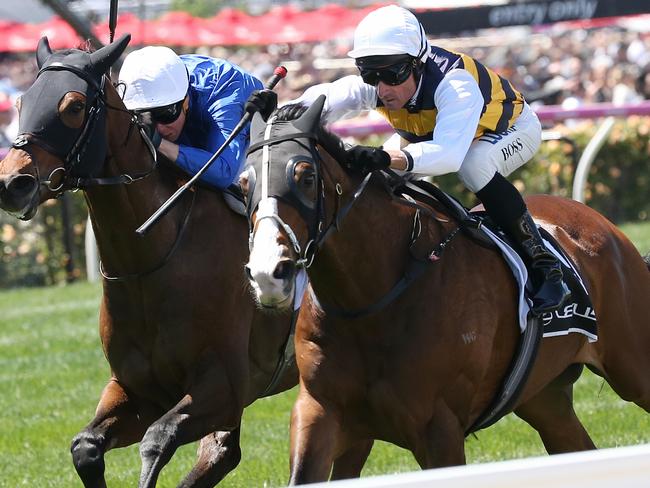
{"points": [[82, 149], [289, 142]]}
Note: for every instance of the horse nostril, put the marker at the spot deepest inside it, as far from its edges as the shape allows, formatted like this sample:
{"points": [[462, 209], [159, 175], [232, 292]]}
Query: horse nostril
{"points": [[249, 273], [285, 269], [20, 184]]}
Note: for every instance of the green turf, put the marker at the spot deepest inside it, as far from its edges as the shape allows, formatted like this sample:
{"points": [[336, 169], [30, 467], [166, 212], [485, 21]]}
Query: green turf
{"points": [[52, 372]]}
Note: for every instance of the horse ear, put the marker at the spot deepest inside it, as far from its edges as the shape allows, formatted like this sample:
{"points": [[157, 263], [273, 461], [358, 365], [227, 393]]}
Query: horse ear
{"points": [[43, 51], [103, 58], [310, 119]]}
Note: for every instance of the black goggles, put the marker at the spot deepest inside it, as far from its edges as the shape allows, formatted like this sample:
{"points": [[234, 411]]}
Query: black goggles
{"points": [[167, 114], [393, 75]]}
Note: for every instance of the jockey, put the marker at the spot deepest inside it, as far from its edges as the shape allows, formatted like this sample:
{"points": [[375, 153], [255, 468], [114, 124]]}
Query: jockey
{"points": [[194, 103], [451, 114]]}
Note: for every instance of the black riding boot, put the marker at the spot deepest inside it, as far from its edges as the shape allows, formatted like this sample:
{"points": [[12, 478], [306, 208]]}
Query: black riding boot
{"points": [[546, 273], [507, 208]]}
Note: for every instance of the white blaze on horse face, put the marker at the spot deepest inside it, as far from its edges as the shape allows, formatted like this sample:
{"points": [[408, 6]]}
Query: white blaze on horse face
{"points": [[266, 253]]}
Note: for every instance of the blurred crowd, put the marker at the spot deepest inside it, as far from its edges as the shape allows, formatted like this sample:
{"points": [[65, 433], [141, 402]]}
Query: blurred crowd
{"points": [[570, 67]]}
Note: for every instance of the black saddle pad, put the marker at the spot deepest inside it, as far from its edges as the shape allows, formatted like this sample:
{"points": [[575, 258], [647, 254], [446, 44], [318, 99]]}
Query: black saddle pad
{"points": [[235, 199]]}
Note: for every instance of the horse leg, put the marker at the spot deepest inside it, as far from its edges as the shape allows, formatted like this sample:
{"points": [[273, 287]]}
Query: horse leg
{"points": [[219, 453], [117, 423], [551, 414], [443, 442], [351, 462], [208, 405], [315, 434]]}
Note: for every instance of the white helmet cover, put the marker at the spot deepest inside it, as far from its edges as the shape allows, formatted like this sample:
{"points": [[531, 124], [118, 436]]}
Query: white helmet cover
{"points": [[390, 30], [154, 76]]}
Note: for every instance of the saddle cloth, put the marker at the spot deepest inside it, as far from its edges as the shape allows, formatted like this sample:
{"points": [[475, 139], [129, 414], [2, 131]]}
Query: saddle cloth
{"points": [[576, 315]]}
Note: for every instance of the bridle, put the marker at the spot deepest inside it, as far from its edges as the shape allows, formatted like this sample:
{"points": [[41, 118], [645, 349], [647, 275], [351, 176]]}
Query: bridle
{"points": [[286, 190]]}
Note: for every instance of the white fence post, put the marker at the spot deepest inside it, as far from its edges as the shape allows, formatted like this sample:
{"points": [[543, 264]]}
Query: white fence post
{"points": [[92, 257]]}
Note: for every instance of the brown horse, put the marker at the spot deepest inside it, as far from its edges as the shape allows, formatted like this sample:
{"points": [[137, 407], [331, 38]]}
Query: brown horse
{"points": [[186, 346], [420, 371]]}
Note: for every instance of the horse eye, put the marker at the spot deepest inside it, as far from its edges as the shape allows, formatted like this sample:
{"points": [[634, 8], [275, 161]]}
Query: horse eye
{"points": [[77, 107], [308, 179]]}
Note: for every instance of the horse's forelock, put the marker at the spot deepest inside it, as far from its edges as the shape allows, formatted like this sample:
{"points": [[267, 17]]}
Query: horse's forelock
{"points": [[331, 142]]}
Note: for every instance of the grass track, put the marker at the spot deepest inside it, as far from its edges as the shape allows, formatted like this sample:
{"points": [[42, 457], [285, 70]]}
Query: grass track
{"points": [[52, 372]]}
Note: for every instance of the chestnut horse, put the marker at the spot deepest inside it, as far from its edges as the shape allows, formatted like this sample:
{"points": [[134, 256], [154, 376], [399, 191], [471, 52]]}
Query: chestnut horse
{"points": [[187, 348], [421, 370]]}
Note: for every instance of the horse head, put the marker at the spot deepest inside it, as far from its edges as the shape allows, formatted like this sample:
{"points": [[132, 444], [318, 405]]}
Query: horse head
{"points": [[62, 127], [287, 185]]}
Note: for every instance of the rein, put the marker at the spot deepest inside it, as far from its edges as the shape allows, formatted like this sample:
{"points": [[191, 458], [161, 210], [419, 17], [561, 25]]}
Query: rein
{"points": [[165, 260], [414, 268]]}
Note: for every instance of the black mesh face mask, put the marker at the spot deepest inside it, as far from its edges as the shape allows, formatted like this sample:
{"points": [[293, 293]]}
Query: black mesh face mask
{"points": [[82, 149]]}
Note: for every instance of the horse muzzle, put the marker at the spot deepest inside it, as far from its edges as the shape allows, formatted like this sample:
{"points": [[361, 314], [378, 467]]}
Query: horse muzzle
{"points": [[19, 195], [273, 288]]}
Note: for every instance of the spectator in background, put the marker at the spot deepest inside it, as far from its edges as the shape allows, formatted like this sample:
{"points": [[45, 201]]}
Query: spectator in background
{"points": [[642, 83]]}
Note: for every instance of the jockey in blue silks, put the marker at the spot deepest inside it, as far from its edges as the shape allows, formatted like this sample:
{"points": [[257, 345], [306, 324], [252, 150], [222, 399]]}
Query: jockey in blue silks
{"points": [[194, 103]]}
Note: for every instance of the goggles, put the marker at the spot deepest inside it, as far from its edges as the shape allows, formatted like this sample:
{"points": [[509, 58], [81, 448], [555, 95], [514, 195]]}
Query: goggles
{"points": [[167, 114], [392, 73]]}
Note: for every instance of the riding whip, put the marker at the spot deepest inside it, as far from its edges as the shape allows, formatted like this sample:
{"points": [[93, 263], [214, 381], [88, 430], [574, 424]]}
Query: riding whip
{"points": [[278, 73], [112, 20]]}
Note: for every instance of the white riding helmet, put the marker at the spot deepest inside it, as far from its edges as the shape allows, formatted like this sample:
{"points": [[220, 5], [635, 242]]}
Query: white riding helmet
{"points": [[387, 31], [154, 76]]}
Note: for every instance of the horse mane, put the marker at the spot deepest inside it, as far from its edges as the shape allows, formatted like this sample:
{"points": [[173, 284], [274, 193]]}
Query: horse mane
{"points": [[330, 142], [84, 46]]}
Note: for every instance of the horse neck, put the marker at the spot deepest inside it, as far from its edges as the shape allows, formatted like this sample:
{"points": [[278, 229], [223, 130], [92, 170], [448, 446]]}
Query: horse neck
{"points": [[117, 210], [364, 259]]}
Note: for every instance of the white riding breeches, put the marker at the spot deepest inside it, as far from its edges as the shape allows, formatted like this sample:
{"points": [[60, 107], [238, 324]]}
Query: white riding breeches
{"points": [[503, 152]]}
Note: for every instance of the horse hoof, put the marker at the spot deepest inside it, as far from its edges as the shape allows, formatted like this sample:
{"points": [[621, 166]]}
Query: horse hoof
{"points": [[88, 460]]}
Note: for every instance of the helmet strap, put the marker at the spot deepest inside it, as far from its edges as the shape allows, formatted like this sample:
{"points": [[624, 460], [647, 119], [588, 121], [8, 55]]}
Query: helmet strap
{"points": [[186, 104], [418, 69]]}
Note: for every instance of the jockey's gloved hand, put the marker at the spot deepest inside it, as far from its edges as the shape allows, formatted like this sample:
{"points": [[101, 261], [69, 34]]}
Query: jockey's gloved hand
{"points": [[262, 101], [366, 159]]}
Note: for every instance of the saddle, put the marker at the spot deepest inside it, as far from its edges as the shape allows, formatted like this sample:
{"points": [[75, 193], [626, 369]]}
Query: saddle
{"points": [[234, 198], [425, 192]]}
